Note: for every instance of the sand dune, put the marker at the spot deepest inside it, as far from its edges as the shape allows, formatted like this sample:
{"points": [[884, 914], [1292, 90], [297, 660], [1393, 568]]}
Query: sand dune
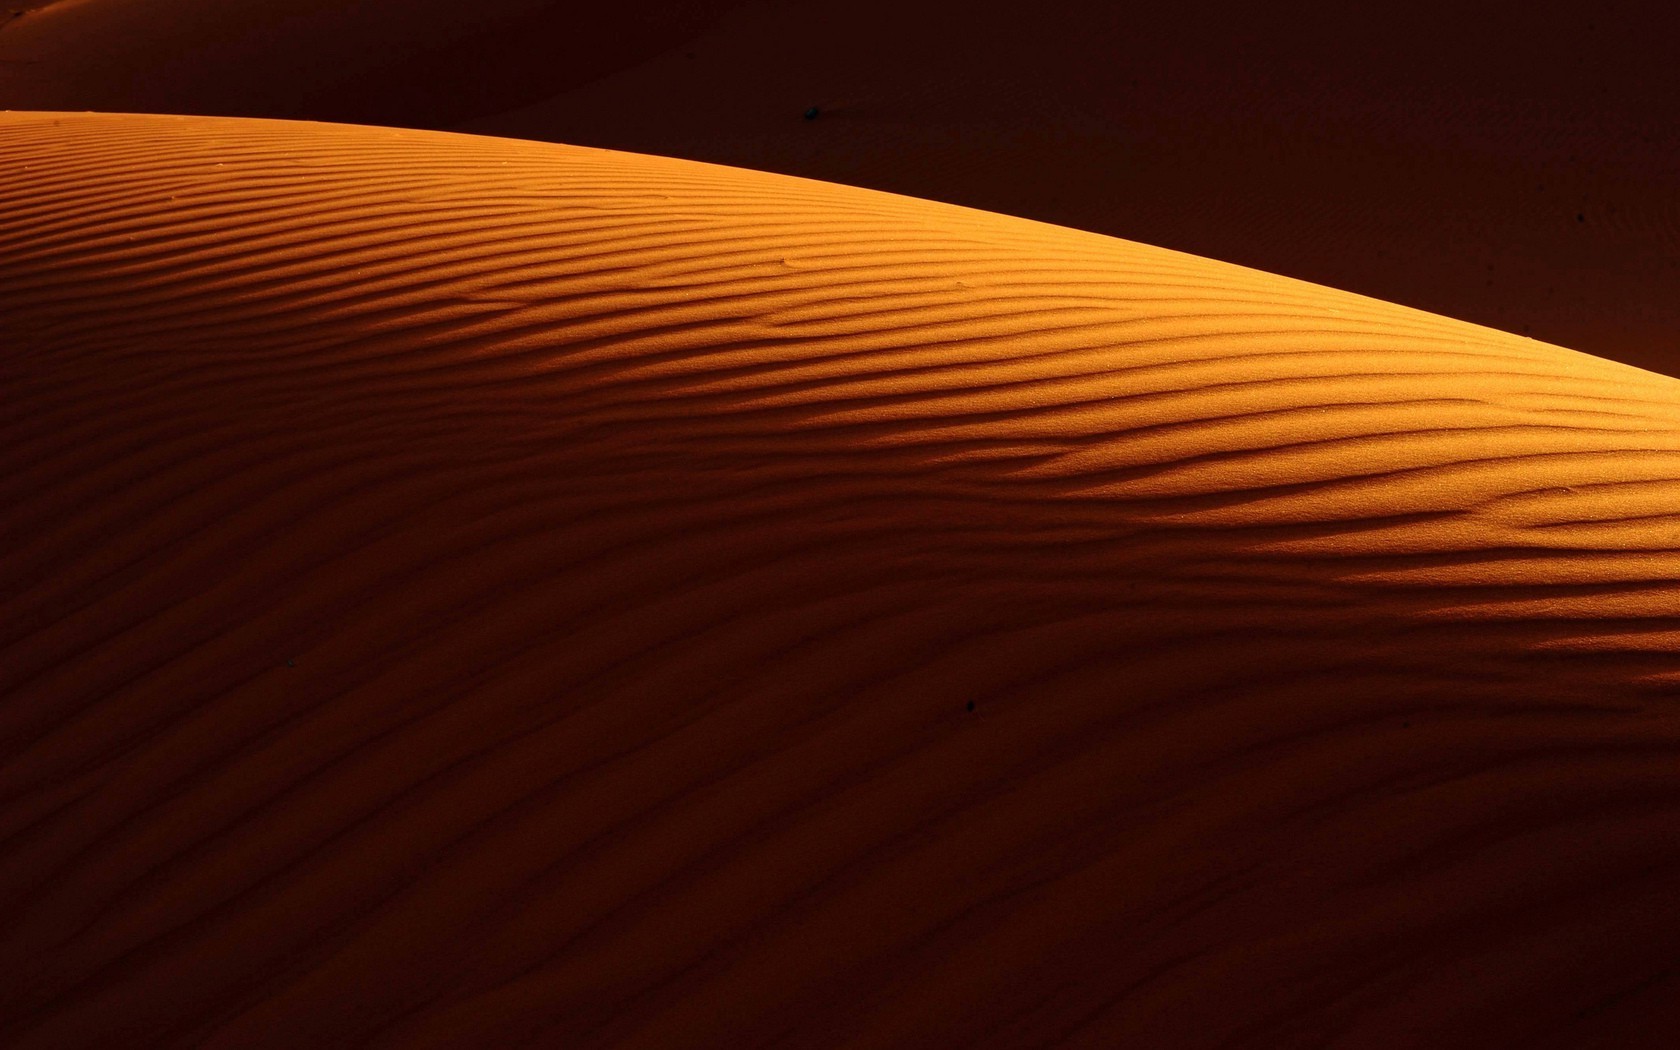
{"points": [[463, 592], [1517, 172]]}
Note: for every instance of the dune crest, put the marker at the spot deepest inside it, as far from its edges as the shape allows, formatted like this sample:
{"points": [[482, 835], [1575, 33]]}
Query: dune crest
{"points": [[461, 591]]}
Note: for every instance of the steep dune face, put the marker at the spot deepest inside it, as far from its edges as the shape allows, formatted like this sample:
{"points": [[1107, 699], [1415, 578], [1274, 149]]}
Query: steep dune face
{"points": [[468, 592]]}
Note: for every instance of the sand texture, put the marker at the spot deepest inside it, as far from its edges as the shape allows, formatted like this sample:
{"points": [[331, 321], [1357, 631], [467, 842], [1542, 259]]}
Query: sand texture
{"points": [[467, 592], [1515, 168]]}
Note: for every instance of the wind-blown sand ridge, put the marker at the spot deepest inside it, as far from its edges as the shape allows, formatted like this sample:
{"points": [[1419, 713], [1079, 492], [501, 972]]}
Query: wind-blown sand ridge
{"points": [[1514, 172], [461, 591]]}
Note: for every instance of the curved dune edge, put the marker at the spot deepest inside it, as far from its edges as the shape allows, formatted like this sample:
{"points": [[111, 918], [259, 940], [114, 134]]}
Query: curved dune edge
{"points": [[1522, 176], [461, 591]]}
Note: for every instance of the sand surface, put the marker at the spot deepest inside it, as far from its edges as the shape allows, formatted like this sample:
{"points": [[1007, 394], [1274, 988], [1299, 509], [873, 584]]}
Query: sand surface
{"points": [[464, 592], [1512, 168]]}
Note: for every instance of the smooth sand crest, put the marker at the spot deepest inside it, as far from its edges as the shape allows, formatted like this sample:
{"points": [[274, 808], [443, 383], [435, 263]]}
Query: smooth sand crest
{"points": [[469, 592]]}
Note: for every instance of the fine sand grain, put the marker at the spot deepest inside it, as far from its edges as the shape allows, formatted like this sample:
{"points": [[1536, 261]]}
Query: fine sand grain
{"points": [[464, 592]]}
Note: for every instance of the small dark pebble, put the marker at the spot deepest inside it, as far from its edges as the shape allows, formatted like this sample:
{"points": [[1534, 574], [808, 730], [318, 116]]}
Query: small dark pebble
{"points": [[812, 113], [1580, 217], [291, 663], [971, 705], [1405, 725]]}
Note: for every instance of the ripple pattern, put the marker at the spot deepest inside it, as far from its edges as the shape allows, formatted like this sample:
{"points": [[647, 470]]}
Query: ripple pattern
{"points": [[467, 592]]}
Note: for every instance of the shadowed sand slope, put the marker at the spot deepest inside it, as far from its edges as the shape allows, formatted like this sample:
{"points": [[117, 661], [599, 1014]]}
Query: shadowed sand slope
{"points": [[461, 592], [402, 62]]}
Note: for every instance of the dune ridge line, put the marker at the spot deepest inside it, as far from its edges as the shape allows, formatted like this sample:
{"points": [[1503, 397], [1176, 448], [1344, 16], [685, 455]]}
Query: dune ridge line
{"points": [[461, 591]]}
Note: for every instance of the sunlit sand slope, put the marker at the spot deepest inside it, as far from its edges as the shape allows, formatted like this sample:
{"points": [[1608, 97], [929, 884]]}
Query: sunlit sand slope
{"points": [[461, 592], [1517, 172]]}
